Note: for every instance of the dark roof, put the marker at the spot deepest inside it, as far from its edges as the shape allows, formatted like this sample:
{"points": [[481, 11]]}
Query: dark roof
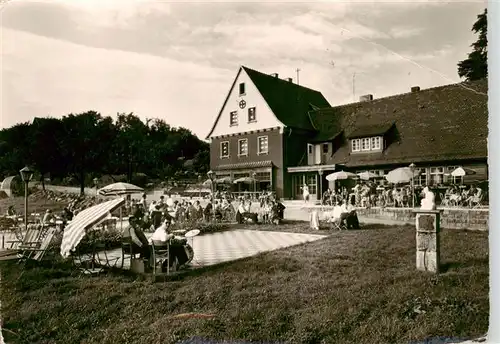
{"points": [[442, 123], [254, 164], [370, 130], [289, 102]]}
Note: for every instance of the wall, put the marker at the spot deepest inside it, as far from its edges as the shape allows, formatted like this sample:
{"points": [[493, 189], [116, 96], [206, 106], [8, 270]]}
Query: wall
{"points": [[294, 154], [472, 219], [265, 117], [275, 142]]}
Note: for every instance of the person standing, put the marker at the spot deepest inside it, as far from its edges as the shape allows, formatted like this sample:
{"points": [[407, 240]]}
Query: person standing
{"points": [[305, 193]]}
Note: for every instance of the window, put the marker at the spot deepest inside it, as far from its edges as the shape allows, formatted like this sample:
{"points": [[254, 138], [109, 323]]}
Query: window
{"points": [[365, 144], [224, 149], [242, 88], [375, 143], [262, 145], [243, 147], [252, 115], [448, 178], [421, 180], [355, 145], [437, 174], [234, 118], [325, 148], [309, 148]]}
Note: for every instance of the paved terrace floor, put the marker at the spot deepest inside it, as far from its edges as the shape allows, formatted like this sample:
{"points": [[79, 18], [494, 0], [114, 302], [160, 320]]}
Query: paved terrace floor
{"points": [[216, 248]]}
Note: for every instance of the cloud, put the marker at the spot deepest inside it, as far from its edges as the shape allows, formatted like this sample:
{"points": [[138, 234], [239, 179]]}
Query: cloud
{"points": [[175, 60]]}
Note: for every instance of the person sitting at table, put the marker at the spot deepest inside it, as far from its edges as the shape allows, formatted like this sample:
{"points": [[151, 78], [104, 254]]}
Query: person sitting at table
{"points": [[135, 236], [243, 212], [48, 218], [348, 214], [208, 211], [156, 216], [11, 211]]}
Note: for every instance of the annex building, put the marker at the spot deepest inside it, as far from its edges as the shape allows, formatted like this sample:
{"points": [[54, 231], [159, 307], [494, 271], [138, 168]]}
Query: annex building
{"points": [[284, 135]]}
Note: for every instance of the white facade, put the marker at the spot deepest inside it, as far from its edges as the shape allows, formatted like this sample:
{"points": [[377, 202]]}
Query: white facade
{"points": [[264, 117]]}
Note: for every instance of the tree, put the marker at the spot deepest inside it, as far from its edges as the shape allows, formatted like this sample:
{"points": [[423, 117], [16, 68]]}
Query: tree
{"points": [[475, 67]]}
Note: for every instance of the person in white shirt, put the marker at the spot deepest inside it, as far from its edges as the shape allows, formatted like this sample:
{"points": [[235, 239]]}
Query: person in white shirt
{"points": [[305, 192], [161, 234], [348, 215]]}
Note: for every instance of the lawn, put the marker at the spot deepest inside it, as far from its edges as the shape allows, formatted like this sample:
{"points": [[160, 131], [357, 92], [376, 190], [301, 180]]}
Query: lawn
{"points": [[352, 287]]}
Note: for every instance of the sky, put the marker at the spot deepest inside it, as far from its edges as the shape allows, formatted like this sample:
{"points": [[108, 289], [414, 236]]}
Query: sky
{"points": [[177, 61]]}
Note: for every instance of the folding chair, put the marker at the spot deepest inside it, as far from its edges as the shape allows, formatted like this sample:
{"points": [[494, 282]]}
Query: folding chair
{"points": [[160, 252]]}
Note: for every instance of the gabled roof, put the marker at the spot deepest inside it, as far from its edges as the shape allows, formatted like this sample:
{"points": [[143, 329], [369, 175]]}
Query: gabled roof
{"points": [[442, 123], [289, 102]]}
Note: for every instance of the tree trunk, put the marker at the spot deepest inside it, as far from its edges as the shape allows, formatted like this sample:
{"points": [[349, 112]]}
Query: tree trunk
{"points": [[42, 179], [82, 183]]}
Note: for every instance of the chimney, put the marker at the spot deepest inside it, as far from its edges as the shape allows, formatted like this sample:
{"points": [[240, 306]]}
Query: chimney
{"points": [[275, 75], [289, 79], [415, 89], [366, 98]]}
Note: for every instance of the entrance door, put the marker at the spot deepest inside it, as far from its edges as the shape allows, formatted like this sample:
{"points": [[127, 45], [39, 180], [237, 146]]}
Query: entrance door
{"points": [[300, 179]]}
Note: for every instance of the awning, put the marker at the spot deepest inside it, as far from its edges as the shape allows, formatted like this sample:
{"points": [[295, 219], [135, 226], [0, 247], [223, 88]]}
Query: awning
{"points": [[243, 165], [311, 168], [85, 220]]}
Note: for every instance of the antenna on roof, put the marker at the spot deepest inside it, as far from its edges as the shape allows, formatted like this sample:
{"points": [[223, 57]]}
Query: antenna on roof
{"points": [[298, 70], [354, 86]]}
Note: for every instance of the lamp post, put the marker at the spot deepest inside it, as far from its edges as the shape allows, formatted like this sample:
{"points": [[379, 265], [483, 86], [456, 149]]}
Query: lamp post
{"points": [[320, 172], [96, 182], [26, 175], [199, 185], [412, 169], [254, 175]]}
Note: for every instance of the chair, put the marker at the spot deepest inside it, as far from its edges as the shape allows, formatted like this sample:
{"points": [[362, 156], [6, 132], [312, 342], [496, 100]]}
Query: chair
{"points": [[476, 202], [160, 251], [31, 237], [128, 251], [31, 250], [335, 219]]}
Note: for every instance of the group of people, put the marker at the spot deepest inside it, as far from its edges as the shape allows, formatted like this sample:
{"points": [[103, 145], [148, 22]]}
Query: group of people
{"points": [[368, 194], [269, 211]]}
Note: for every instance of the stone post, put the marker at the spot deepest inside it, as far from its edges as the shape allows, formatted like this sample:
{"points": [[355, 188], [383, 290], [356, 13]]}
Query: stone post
{"points": [[427, 238]]}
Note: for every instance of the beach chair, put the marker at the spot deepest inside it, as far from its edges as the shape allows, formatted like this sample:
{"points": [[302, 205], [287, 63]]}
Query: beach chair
{"points": [[30, 250], [31, 237]]}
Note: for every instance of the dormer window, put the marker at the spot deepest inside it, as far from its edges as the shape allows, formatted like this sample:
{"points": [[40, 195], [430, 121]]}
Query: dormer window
{"points": [[233, 120], [366, 144], [242, 88]]}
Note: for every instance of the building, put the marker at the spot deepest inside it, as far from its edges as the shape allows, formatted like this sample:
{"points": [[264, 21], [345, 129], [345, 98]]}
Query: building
{"points": [[251, 136], [287, 135], [437, 129]]}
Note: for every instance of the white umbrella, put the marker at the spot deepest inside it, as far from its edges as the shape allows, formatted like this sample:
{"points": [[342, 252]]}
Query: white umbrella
{"points": [[120, 189], [247, 180], [224, 180], [84, 221], [462, 171], [368, 175], [341, 175], [401, 175]]}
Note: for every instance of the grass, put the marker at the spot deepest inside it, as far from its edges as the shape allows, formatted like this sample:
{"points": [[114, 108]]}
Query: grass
{"points": [[352, 287]]}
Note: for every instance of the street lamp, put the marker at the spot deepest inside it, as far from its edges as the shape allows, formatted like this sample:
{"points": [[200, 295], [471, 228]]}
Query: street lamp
{"points": [[26, 175], [96, 181], [254, 175], [320, 172], [412, 169], [199, 182], [210, 175]]}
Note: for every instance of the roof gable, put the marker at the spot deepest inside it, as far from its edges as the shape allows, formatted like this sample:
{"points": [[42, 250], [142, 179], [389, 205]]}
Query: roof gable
{"points": [[447, 122], [289, 102]]}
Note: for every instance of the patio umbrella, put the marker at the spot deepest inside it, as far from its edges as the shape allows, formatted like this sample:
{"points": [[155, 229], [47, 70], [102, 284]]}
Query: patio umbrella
{"points": [[84, 221], [341, 175], [247, 180], [225, 180], [120, 189], [368, 175], [401, 175], [462, 171]]}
